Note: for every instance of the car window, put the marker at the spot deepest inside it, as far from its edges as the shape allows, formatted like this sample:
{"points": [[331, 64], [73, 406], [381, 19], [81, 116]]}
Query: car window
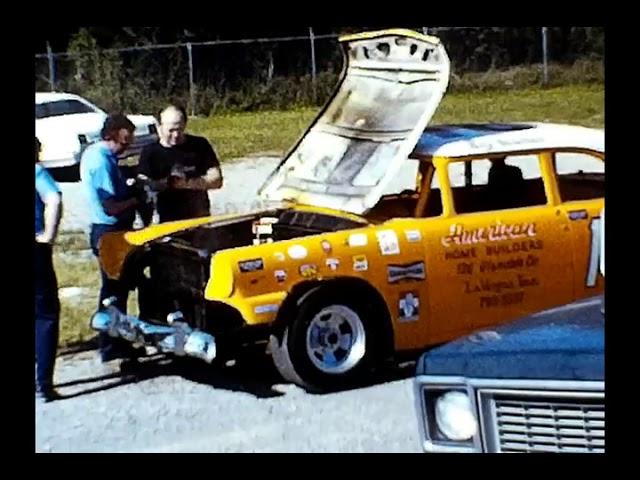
{"points": [[434, 200], [580, 176], [61, 107], [481, 185]]}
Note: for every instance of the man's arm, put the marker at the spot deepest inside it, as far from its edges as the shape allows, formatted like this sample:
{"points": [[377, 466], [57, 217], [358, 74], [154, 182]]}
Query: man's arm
{"points": [[114, 207], [102, 181], [212, 179], [52, 216]]}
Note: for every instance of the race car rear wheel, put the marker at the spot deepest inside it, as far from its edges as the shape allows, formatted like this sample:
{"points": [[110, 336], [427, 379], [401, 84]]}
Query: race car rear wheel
{"points": [[331, 343]]}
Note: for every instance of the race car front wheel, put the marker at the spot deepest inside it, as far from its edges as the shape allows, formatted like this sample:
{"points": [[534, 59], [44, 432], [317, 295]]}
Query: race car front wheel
{"points": [[330, 344]]}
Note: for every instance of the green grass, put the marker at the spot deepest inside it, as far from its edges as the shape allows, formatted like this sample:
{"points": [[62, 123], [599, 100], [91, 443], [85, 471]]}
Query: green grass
{"points": [[76, 267], [76, 270], [240, 134]]}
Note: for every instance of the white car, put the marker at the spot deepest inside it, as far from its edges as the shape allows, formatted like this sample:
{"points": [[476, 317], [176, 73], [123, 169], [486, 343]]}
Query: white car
{"points": [[66, 124]]}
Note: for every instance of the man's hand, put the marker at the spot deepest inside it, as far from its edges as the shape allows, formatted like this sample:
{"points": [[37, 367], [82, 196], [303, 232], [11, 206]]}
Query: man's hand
{"points": [[210, 181], [177, 182], [155, 185]]}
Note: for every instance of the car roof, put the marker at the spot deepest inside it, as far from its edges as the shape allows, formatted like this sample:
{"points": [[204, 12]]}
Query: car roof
{"points": [[44, 97], [461, 140]]}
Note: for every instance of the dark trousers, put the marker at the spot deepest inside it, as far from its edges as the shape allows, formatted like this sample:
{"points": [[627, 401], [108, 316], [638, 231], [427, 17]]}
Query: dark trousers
{"points": [[110, 348], [47, 315]]}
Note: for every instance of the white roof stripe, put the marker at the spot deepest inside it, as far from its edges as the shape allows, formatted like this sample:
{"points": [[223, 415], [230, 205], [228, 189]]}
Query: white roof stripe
{"points": [[464, 139]]}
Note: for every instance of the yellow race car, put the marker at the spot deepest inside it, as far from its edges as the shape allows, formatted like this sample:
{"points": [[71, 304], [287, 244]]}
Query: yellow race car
{"points": [[341, 274]]}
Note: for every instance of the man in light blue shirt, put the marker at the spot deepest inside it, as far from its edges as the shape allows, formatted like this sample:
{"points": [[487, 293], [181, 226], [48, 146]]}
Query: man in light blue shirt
{"points": [[112, 208], [47, 304]]}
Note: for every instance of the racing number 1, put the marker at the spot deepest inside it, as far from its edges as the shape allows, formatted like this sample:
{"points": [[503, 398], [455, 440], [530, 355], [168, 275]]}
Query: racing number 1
{"points": [[594, 254]]}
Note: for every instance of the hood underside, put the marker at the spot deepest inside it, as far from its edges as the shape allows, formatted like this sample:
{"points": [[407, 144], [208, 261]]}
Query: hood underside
{"points": [[391, 85]]}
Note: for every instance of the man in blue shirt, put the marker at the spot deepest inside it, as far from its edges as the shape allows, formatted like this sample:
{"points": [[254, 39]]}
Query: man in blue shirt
{"points": [[112, 208], [47, 303]]}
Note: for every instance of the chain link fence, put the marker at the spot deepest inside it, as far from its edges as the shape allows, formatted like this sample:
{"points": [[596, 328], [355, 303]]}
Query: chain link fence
{"points": [[284, 72]]}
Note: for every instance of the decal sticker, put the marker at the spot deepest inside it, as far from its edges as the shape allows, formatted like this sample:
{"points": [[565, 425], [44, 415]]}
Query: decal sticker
{"points": [[279, 256], [297, 252], [413, 236], [280, 275], [308, 270], [409, 271], [266, 308], [388, 242], [262, 228], [251, 265], [333, 263], [357, 240], [409, 307], [326, 246], [578, 215], [360, 263]]}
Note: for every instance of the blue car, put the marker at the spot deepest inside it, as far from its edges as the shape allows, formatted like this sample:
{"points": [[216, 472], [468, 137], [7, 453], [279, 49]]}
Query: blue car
{"points": [[534, 385]]}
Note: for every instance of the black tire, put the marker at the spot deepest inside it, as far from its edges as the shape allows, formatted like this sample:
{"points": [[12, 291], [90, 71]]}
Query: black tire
{"points": [[291, 354]]}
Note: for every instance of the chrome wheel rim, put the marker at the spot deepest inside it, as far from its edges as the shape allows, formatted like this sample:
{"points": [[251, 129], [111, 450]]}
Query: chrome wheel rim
{"points": [[335, 339]]}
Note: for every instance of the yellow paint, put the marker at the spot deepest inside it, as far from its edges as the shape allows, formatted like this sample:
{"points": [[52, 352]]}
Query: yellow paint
{"points": [[401, 32], [482, 269]]}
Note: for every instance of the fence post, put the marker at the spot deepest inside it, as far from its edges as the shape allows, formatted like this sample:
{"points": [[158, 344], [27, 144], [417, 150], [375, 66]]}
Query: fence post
{"points": [[425, 30], [545, 57], [313, 63], [52, 68], [191, 85]]}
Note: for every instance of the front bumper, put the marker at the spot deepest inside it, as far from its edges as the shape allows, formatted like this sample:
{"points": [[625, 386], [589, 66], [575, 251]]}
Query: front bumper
{"points": [[177, 337]]}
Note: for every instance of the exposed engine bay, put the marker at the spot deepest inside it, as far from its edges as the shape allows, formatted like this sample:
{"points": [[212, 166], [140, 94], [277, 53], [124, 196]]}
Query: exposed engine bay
{"points": [[170, 274]]}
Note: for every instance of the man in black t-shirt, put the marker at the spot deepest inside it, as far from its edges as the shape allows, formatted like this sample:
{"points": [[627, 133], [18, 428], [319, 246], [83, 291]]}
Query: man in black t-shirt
{"points": [[181, 168]]}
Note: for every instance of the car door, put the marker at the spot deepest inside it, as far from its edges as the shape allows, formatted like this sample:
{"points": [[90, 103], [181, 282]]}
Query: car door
{"points": [[492, 259], [580, 181]]}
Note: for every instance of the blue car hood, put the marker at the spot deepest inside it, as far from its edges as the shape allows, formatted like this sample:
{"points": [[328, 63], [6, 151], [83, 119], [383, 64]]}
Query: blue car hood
{"points": [[565, 343]]}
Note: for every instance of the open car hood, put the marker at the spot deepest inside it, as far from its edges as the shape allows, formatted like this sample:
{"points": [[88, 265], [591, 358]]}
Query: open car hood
{"points": [[391, 84]]}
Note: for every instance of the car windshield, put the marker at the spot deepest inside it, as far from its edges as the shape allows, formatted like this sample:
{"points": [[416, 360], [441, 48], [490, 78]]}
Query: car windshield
{"points": [[62, 107]]}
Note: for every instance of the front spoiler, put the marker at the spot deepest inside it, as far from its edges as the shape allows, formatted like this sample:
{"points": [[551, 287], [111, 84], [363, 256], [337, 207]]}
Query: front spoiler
{"points": [[177, 337]]}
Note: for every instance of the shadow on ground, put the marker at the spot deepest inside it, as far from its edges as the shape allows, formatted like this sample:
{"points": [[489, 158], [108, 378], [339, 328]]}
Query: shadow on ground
{"points": [[252, 372]]}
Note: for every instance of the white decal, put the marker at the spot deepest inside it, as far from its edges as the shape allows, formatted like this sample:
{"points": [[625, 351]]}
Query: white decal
{"points": [[266, 308], [413, 236], [360, 263], [280, 275], [409, 307], [326, 246], [357, 239], [388, 242], [333, 263], [297, 252]]}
